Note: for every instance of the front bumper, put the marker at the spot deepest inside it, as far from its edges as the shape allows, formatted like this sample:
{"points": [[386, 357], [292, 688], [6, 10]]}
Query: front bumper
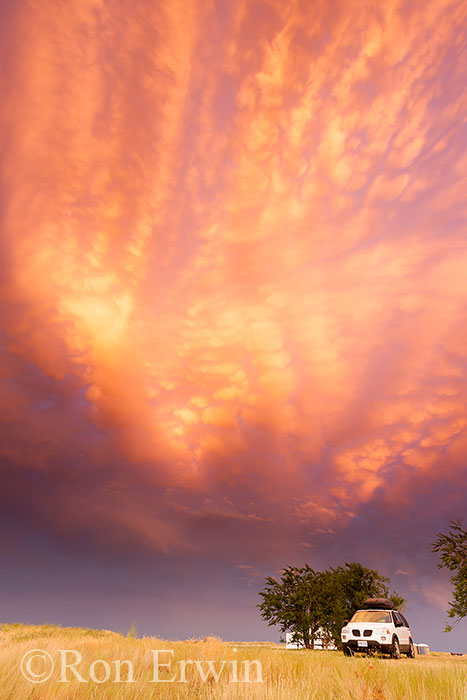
{"points": [[373, 645]]}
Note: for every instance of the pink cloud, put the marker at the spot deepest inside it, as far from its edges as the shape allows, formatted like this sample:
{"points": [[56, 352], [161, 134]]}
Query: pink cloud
{"points": [[233, 250]]}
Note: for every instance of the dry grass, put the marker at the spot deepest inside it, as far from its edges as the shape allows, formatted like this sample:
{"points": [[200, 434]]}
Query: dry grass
{"points": [[298, 675]]}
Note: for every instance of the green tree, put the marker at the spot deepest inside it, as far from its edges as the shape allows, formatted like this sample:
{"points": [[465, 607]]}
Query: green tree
{"points": [[453, 554], [304, 601], [295, 602]]}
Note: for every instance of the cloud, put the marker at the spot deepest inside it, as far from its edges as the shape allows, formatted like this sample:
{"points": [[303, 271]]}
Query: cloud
{"points": [[233, 270]]}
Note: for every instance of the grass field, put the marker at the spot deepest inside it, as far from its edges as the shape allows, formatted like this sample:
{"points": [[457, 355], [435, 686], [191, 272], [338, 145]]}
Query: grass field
{"points": [[297, 675]]}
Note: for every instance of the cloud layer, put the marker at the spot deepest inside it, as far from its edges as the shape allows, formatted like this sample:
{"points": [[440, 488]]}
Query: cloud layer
{"points": [[233, 275]]}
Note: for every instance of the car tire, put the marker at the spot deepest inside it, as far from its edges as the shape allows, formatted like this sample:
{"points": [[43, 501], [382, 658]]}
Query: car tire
{"points": [[411, 651], [347, 650], [395, 649]]}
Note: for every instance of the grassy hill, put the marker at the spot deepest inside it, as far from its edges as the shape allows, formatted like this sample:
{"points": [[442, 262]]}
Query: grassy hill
{"points": [[108, 665]]}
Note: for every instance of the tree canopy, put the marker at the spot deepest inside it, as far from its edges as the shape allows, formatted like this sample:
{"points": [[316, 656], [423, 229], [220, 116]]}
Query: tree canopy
{"points": [[304, 601], [453, 554]]}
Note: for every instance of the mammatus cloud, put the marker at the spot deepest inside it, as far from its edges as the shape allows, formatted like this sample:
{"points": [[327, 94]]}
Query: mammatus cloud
{"points": [[233, 269]]}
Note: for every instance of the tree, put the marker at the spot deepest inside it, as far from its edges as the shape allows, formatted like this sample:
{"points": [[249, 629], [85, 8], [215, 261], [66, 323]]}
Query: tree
{"points": [[353, 584], [453, 550], [295, 603], [305, 601]]}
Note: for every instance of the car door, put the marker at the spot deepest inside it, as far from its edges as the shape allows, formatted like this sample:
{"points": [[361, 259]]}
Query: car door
{"points": [[403, 631], [407, 627]]}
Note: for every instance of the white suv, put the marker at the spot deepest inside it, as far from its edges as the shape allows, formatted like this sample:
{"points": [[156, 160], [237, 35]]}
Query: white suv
{"points": [[378, 627]]}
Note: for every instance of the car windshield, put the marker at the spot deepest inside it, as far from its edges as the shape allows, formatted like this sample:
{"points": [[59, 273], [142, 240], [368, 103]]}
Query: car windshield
{"points": [[371, 616]]}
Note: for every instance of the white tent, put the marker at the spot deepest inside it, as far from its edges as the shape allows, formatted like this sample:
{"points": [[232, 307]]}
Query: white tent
{"points": [[422, 649], [320, 641]]}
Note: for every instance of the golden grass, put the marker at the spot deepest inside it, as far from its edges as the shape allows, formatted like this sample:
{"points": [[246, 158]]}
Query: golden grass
{"points": [[298, 675]]}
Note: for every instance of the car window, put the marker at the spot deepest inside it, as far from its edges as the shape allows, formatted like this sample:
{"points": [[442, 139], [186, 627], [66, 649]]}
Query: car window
{"points": [[399, 619], [372, 616], [404, 619]]}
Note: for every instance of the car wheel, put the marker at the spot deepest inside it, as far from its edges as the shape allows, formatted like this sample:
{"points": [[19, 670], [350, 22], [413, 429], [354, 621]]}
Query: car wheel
{"points": [[395, 649], [411, 651], [347, 650]]}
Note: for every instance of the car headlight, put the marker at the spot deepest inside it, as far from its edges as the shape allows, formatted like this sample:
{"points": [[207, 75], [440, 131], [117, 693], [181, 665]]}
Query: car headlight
{"points": [[345, 630], [382, 630]]}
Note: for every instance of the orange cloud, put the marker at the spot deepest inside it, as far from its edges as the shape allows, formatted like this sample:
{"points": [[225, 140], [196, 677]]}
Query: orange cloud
{"points": [[236, 233]]}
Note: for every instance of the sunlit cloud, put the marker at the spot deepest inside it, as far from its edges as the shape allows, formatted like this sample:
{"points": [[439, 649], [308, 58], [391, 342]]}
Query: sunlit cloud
{"points": [[234, 268]]}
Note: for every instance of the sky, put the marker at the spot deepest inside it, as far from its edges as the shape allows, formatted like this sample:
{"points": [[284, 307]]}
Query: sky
{"points": [[233, 305]]}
